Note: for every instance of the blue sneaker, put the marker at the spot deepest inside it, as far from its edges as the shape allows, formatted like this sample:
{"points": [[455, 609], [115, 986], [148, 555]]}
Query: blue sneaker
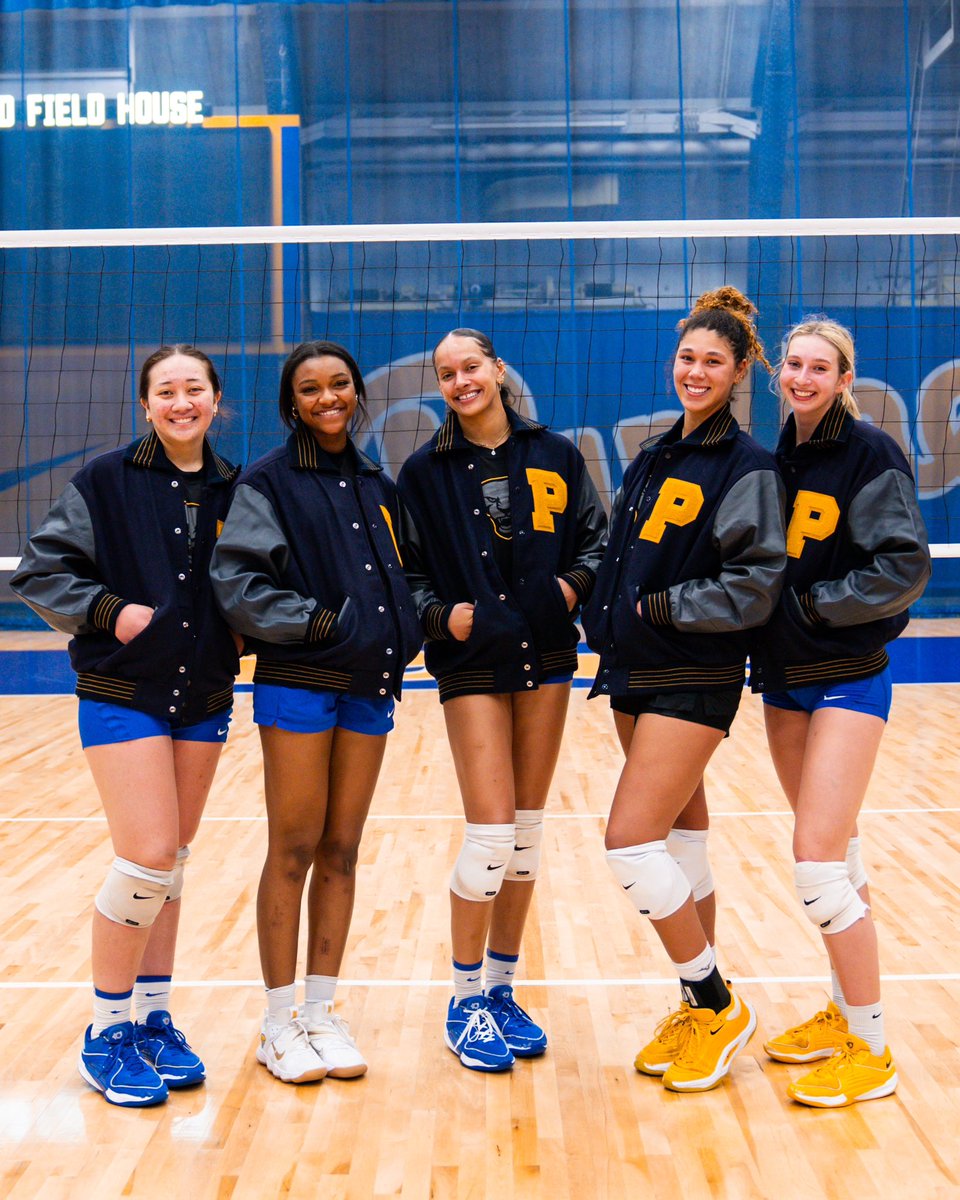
{"points": [[160, 1042], [524, 1037], [472, 1034], [111, 1063]]}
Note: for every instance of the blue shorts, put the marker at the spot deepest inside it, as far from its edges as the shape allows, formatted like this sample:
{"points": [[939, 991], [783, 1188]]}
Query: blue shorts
{"points": [[302, 711], [872, 695], [106, 724]]}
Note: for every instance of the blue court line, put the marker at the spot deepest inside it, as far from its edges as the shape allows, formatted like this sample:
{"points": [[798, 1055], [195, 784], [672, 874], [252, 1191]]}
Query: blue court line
{"points": [[48, 672]]}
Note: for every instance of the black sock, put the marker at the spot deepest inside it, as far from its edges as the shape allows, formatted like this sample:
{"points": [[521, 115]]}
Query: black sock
{"points": [[707, 993]]}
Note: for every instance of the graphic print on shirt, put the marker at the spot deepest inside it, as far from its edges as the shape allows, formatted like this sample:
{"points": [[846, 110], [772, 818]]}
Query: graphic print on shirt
{"points": [[678, 503], [496, 497], [815, 515]]}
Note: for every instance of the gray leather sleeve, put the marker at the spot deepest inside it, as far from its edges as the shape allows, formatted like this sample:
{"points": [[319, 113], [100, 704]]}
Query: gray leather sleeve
{"points": [[749, 532], [248, 562], [57, 573], [884, 522], [591, 525], [421, 587]]}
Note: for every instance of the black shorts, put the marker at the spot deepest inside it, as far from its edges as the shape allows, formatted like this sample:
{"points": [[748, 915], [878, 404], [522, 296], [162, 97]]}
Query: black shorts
{"points": [[715, 709]]}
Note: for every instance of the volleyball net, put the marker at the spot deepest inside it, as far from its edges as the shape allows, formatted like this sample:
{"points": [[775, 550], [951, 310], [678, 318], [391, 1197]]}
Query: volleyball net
{"points": [[584, 314]]}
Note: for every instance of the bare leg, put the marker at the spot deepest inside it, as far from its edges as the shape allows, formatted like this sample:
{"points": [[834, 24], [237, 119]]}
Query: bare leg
{"points": [[654, 789], [137, 785], [296, 770], [694, 816], [194, 764], [538, 719], [824, 763], [480, 732], [354, 768]]}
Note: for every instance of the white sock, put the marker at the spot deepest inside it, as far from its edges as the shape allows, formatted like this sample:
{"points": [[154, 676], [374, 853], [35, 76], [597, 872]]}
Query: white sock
{"points": [[837, 991], [281, 1004], [499, 969], [698, 968], [866, 1022], [467, 980], [150, 994], [319, 991], [109, 1008]]}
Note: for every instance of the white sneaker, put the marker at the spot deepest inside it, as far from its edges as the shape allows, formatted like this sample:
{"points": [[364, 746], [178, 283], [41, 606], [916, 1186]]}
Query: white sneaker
{"points": [[331, 1041], [286, 1052]]}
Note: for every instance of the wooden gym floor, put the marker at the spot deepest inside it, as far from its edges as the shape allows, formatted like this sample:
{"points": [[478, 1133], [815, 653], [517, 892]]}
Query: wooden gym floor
{"points": [[577, 1124]]}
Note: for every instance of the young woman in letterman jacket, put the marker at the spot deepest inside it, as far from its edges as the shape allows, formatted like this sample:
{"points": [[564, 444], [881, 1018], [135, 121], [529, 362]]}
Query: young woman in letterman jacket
{"points": [[695, 559], [308, 570], [506, 535], [120, 563], [857, 557]]}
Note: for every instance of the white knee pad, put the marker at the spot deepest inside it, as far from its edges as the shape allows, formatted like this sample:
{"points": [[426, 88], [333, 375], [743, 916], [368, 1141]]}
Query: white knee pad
{"points": [[829, 898], [482, 863], [855, 868], [176, 887], [524, 862], [133, 895], [654, 883], [688, 849]]}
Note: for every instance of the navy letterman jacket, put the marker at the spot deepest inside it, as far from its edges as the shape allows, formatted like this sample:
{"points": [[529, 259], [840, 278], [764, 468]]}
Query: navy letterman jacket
{"points": [[308, 570], [118, 535], [697, 536], [857, 556], [522, 630]]}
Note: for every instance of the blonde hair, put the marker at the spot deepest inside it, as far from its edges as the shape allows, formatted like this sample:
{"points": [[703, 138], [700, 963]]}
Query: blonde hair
{"points": [[729, 313], [840, 338]]}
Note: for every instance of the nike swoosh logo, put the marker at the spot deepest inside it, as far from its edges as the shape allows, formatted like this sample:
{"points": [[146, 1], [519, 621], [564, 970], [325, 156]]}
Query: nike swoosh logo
{"points": [[813, 901], [628, 886], [137, 896], [522, 847], [495, 867], [833, 697], [221, 732]]}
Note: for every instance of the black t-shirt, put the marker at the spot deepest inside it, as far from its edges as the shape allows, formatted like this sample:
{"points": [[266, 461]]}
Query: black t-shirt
{"points": [[495, 483]]}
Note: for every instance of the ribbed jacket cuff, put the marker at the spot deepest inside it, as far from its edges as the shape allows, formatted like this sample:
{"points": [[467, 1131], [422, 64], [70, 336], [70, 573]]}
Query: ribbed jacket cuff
{"points": [[581, 579], [655, 608], [104, 610], [322, 624], [434, 621], [809, 611]]}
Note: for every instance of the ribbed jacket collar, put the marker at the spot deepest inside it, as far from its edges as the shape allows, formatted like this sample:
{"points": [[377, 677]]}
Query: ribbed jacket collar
{"points": [[450, 436], [148, 452]]}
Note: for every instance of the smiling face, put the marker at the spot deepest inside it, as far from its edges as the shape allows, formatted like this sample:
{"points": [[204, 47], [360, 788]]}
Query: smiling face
{"points": [[811, 379], [180, 403], [325, 399], [469, 381], [704, 374]]}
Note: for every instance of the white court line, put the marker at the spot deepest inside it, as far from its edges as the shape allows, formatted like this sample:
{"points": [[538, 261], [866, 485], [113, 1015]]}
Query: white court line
{"points": [[773, 812], [667, 981]]}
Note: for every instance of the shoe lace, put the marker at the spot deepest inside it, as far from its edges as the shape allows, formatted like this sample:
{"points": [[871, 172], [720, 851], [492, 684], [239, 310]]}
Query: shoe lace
{"points": [[817, 1021], [126, 1051], [845, 1053], [691, 1042], [293, 1032], [335, 1025], [674, 1025], [481, 1027]]}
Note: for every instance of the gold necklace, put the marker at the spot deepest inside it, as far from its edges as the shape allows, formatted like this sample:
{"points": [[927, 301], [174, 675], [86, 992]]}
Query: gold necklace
{"points": [[494, 444]]}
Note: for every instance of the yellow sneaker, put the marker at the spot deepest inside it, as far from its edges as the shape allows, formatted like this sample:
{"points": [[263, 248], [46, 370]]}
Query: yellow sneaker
{"points": [[820, 1037], [669, 1039], [853, 1073], [712, 1043]]}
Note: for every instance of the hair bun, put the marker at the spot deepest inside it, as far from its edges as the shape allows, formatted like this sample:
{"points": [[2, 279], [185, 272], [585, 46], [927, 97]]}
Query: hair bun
{"points": [[729, 298]]}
